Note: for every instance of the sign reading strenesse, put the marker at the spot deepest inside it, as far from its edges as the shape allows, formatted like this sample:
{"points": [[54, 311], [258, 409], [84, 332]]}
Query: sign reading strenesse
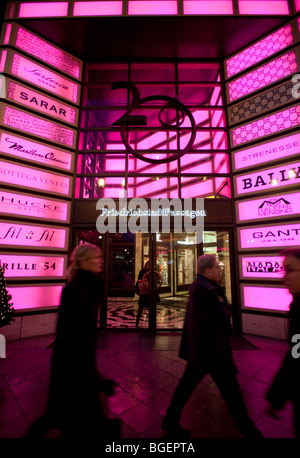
{"points": [[38, 266], [12, 203], [258, 267], [266, 237], [272, 178]]}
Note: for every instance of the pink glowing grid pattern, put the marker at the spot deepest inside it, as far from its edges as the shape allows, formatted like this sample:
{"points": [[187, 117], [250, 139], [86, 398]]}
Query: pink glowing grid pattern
{"points": [[32, 297], [24, 235], [43, 9], [262, 267], [269, 207], [37, 126], [263, 7], [270, 236], [145, 7], [267, 298], [266, 126], [32, 266], [106, 8], [259, 51], [264, 75], [207, 7], [47, 53]]}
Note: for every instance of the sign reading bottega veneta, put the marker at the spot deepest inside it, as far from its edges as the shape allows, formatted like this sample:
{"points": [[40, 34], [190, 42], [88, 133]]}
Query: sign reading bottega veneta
{"points": [[269, 237], [12, 203], [19, 266], [28, 150]]}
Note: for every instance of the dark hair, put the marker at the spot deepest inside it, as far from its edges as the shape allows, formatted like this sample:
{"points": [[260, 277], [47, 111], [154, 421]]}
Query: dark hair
{"points": [[291, 252]]}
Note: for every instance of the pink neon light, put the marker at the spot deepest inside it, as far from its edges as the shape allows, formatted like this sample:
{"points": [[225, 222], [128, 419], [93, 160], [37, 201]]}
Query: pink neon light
{"points": [[263, 7], [42, 77], [23, 235], [208, 7], [260, 50], [43, 9], [262, 267], [261, 77], [223, 187], [267, 126], [47, 52], [3, 60], [297, 6], [33, 178], [271, 151], [33, 207], [269, 207], [204, 188], [33, 297], [267, 298], [145, 7], [106, 8], [7, 34], [37, 126], [32, 266], [270, 236]]}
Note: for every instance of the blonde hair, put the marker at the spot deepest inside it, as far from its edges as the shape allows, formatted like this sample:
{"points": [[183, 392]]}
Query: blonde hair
{"points": [[80, 253]]}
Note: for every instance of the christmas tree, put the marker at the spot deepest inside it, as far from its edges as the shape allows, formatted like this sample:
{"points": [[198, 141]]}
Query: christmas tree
{"points": [[6, 309]]}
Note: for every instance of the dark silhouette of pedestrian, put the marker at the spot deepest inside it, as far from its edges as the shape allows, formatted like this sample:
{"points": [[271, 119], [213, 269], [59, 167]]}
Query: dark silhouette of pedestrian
{"points": [[143, 292], [205, 345]]}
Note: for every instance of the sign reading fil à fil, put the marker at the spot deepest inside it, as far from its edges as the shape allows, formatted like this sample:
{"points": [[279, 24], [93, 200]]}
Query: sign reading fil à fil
{"points": [[33, 236]]}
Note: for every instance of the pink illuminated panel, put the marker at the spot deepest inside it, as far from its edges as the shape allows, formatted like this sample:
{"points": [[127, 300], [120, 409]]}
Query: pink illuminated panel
{"points": [[145, 7], [263, 7], [277, 69], [271, 151], [3, 60], [270, 236], [35, 297], [266, 126], [266, 298], [297, 5], [46, 52], [208, 7], [7, 34], [25, 266], [33, 207], [21, 120], [37, 101], [44, 78], [284, 175], [262, 267], [18, 175], [260, 50], [28, 150], [43, 9], [32, 236], [269, 207], [96, 8]]}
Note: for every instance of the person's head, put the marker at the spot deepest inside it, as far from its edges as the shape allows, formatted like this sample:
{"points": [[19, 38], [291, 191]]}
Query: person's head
{"points": [[86, 256], [208, 266], [147, 265], [291, 264]]}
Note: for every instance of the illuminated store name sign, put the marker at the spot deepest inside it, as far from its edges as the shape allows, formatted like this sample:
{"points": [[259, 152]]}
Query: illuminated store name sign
{"points": [[270, 236], [284, 175], [36, 296], [31, 206], [24, 235], [17, 175], [32, 266], [262, 267], [269, 207], [32, 151], [40, 76], [271, 151], [266, 298]]}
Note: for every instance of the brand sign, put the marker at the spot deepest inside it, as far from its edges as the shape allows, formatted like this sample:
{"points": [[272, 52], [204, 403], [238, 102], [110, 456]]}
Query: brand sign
{"points": [[35, 296], [31, 206], [266, 297], [23, 235], [17, 266], [271, 151], [266, 237], [262, 267], [28, 150], [22, 120], [269, 207], [18, 175], [41, 76], [284, 175]]}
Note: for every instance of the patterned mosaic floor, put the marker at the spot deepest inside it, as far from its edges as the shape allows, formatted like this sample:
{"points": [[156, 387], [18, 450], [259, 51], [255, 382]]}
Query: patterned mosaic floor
{"points": [[170, 313]]}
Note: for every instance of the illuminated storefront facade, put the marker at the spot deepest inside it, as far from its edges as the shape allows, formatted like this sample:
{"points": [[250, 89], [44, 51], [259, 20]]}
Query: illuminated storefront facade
{"points": [[209, 113]]}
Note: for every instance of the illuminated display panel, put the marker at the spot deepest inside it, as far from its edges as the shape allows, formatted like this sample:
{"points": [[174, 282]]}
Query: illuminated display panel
{"points": [[33, 178], [277, 206], [261, 267], [266, 298], [145, 7], [25, 122], [266, 152], [32, 236], [18, 266], [12, 203], [98, 8], [35, 296], [263, 7], [269, 237], [40, 76], [271, 178], [3, 55], [43, 9], [207, 7], [25, 149]]}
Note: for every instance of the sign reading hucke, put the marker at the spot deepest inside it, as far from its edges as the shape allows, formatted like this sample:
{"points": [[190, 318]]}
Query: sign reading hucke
{"points": [[18, 175], [24, 266], [32, 206], [266, 237]]}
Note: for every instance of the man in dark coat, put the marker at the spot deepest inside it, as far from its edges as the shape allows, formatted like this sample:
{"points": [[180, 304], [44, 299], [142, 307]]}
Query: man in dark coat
{"points": [[206, 347]]}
